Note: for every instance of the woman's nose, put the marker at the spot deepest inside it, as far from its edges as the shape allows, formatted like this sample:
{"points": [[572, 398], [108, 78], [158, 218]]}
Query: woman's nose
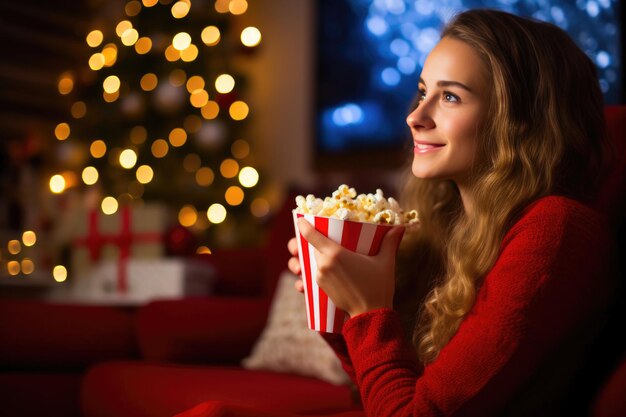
{"points": [[420, 117]]}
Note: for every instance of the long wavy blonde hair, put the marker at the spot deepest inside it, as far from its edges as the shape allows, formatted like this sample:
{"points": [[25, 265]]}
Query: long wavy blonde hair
{"points": [[544, 135]]}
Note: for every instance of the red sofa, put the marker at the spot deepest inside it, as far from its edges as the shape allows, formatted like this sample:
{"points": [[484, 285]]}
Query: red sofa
{"points": [[171, 357]]}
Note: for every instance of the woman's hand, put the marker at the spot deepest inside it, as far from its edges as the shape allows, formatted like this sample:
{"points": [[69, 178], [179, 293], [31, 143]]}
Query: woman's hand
{"points": [[356, 283], [294, 262]]}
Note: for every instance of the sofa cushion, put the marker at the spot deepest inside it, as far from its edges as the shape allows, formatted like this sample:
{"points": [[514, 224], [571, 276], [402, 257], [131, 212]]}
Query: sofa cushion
{"points": [[40, 394], [200, 330], [288, 345], [47, 336], [153, 390]]}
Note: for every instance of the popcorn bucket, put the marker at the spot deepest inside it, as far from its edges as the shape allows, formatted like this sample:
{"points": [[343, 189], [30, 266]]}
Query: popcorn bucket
{"points": [[364, 238]]}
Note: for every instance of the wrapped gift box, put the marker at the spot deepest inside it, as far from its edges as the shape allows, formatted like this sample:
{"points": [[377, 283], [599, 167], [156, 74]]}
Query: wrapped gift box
{"points": [[131, 233], [165, 278]]}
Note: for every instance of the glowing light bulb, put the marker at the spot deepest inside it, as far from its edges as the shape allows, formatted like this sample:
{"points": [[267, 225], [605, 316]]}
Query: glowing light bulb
{"points": [[238, 7], [229, 168], [248, 177], [14, 246], [181, 41], [111, 84], [203, 250], [122, 27], [178, 137], [143, 45], [210, 35], [250, 36], [238, 110], [221, 6], [210, 110], [57, 184], [187, 216], [172, 54], [234, 195], [13, 268], [194, 83], [216, 213], [59, 273], [66, 83], [148, 82], [181, 8], [199, 98], [28, 266], [94, 38], [29, 238], [109, 205], [110, 54], [224, 83], [90, 175], [159, 148], [189, 54], [62, 131], [128, 158], [130, 36], [144, 174], [98, 148]]}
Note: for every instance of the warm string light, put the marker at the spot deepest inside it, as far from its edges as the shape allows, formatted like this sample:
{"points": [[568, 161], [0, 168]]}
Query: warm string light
{"points": [[181, 48], [19, 260]]}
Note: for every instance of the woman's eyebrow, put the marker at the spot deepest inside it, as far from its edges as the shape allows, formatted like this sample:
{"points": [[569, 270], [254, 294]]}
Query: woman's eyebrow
{"points": [[443, 83]]}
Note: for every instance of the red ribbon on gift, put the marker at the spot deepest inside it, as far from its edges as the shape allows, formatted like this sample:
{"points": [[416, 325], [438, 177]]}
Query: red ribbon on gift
{"points": [[124, 240]]}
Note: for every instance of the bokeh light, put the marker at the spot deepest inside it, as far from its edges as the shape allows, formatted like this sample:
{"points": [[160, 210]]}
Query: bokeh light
{"points": [[59, 273], [250, 36], [94, 38], [216, 213], [109, 205], [90, 175], [248, 177]]}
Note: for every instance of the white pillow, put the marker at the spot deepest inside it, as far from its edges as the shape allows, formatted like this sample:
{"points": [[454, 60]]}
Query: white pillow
{"points": [[288, 345]]}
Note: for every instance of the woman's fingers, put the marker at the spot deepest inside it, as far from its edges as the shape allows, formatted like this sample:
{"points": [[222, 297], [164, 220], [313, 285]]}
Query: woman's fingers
{"points": [[315, 238], [299, 285], [294, 266], [292, 246]]}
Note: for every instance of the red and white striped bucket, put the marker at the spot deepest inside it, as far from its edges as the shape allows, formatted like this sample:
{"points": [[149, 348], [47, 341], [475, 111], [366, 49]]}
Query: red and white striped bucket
{"points": [[364, 238]]}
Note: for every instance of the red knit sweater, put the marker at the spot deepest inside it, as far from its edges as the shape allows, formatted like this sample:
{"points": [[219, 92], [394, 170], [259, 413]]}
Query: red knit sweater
{"points": [[515, 351]]}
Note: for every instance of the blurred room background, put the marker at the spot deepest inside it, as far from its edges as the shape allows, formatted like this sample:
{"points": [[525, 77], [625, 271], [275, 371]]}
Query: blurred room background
{"points": [[209, 113]]}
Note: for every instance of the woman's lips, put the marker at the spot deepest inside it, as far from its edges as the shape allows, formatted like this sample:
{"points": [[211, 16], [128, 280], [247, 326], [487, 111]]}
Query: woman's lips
{"points": [[423, 147]]}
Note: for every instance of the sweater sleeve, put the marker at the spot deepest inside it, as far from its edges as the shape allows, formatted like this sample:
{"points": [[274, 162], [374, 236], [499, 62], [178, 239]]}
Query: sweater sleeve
{"points": [[528, 304]]}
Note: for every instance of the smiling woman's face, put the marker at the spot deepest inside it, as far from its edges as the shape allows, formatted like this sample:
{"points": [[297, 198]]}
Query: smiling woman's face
{"points": [[454, 97]]}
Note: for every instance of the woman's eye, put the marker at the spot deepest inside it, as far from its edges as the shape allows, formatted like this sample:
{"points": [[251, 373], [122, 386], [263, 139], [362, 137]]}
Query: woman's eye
{"points": [[451, 98], [421, 95]]}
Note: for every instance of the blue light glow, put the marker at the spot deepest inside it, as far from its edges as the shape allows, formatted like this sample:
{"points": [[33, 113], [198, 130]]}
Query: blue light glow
{"points": [[390, 76], [377, 25], [603, 59], [425, 7], [400, 47], [406, 65], [348, 114], [593, 9]]}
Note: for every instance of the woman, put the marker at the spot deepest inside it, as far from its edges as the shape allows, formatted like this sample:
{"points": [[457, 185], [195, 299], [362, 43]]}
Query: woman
{"points": [[501, 288]]}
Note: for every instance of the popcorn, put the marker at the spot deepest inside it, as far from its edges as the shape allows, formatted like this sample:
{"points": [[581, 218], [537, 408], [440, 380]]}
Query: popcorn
{"points": [[345, 204]]}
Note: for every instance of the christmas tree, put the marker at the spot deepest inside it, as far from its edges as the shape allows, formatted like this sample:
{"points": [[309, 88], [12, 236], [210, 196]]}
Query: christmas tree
{"points": [[159, 114]]}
